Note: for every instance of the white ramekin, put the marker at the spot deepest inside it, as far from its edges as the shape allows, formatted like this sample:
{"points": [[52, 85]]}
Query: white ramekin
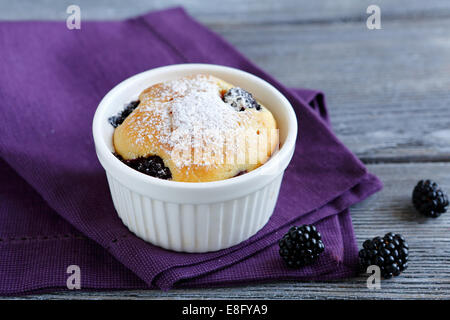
{"points": [[194, 217]]}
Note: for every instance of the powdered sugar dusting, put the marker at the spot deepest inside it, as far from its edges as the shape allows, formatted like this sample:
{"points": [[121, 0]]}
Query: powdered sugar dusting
{"points": [[188, 115]]}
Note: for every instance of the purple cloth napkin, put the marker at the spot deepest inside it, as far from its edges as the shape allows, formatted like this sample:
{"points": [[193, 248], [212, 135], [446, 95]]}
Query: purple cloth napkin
{"points": [[56, 208]]}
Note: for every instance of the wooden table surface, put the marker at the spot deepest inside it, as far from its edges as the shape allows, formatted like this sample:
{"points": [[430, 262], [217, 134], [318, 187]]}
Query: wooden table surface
{"points": [[388, 94]]}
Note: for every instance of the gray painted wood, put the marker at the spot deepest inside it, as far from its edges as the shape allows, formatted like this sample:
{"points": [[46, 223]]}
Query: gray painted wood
{"points": [[388, 90], [388, 95], [234, 12]]}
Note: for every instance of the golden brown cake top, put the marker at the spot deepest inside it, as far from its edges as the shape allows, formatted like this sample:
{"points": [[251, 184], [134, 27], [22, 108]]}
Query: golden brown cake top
{"points": [[198, 135]]}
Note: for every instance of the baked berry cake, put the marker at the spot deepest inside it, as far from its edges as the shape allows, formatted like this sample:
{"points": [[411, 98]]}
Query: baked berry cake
{"points": [[195, 129]]}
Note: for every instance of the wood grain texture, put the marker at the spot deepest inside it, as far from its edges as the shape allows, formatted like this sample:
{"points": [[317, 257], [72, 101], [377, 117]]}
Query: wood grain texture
{"points": [[428, 275], [387, 90], [388, 96], [230, 12]]}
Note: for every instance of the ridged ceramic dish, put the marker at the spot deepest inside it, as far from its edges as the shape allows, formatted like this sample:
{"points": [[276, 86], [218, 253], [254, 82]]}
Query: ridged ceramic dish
{"points": [[194, 217]]}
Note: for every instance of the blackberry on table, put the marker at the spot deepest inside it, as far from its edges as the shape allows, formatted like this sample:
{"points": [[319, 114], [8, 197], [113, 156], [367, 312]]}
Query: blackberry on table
{"points": [[152, 166], [240, 99], [118, 119], [390, 253], [429, 199], [301, 246]]}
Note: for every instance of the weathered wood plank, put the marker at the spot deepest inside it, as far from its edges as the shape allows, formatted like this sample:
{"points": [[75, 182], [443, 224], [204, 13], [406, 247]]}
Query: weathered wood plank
{"points": [[230, 11], [387, 90], [428, 275]]}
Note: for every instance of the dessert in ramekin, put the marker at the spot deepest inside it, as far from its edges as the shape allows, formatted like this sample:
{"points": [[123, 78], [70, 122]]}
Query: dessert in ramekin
{"points": [[195, 129], [199, 208]]}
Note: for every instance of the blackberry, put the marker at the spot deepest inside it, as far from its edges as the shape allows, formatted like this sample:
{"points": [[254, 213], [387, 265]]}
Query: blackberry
{"points": [[429, 199], [240, 99], [390, 253], [118, 119], [301, 246], [152, 166]]}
